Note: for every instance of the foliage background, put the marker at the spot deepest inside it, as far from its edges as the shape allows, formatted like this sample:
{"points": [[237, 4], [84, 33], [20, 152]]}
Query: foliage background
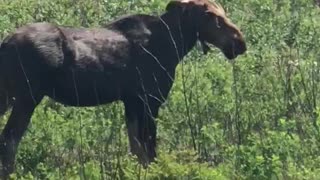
{"points": [[255, 119]]}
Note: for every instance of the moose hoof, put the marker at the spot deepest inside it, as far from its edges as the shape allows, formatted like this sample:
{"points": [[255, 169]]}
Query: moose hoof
{"points": [[4, 173]]}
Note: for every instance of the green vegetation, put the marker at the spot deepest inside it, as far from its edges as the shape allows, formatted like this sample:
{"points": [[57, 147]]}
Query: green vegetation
{"points": [[255, 119]]}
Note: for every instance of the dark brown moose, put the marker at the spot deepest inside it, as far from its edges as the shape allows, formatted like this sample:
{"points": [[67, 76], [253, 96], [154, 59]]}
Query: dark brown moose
{"points": [[132, 59]]}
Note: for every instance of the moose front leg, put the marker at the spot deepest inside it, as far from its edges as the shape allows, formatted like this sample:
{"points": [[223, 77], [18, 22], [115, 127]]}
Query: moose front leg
{"points": [[140, 120]]}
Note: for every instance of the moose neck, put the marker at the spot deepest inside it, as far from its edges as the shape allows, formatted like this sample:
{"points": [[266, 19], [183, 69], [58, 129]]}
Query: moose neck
{"points": [[182, 30]]}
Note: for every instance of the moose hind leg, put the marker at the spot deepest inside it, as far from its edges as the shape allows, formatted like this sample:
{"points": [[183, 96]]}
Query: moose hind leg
{"points": [[13, 132], [142, 129], [6, 102]]}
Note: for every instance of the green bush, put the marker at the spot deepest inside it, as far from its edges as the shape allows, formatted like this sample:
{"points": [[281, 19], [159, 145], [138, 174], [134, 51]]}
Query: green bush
{"points": [[257, 118]]}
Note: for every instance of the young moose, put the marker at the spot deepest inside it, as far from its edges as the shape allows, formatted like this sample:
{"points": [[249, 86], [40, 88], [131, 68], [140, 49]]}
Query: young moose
{"points": [[132, 60]]}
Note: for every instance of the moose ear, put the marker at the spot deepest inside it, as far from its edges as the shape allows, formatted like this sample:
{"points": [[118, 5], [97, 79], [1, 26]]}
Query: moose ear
{"points": [[175, 6]]}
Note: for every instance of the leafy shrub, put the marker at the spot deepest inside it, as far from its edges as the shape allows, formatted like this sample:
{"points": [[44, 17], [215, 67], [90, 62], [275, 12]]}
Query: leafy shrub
{"points": [[257, 118]]}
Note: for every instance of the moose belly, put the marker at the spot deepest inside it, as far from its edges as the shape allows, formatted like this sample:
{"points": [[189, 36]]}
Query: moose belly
{"points": [[86, 89]]}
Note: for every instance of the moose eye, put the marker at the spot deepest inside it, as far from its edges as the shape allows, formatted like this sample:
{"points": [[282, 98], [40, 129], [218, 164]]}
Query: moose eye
{"points": [[219, 21], [209, 14]]}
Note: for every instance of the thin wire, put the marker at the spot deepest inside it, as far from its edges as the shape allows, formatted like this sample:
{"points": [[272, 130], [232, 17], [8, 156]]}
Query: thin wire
{"points": [[25, 74]]}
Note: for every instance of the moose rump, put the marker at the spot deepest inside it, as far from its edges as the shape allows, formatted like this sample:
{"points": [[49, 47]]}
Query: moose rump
{"points": [[73, 66]]}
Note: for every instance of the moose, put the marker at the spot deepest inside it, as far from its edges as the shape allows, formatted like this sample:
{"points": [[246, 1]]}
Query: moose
{"points": [[132, 60]]}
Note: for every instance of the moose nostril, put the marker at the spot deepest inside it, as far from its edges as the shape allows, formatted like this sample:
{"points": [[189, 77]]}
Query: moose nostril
{"points": [[240, 46]]}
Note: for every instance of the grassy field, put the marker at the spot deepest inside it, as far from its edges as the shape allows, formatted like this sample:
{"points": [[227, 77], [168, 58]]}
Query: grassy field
{"points": [[255, 119]]}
